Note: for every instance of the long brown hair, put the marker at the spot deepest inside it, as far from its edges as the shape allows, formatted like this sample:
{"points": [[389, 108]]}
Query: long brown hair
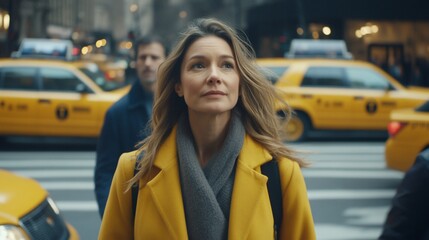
{"points": [[256, 101]]}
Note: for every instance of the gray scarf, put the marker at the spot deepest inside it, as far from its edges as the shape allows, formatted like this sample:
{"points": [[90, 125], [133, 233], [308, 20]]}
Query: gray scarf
{"points": [[207, 192]]}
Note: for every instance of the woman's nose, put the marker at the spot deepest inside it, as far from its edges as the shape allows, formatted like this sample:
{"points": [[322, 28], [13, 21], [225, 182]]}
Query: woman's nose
{"points": [[214, 76]]}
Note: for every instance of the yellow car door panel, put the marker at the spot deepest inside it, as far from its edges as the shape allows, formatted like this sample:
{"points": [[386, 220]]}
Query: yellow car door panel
{"points": [[18, 100], [63, 109]]}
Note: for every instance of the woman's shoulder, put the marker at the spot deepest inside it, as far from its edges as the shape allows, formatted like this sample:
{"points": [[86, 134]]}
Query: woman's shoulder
{"points": [[289, 169], [127, 161], [287, 163]]}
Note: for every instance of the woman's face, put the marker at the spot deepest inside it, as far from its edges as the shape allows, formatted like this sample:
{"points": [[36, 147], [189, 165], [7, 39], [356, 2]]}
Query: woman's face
{"points": [[209, 80]]}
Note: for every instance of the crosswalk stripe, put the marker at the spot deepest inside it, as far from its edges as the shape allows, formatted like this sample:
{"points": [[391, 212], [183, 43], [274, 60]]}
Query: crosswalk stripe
{"points": [[47, 155], [344, 232], [308, 173], [46, 163], [338, 194], [348, 165], [360, 174], [344, 157], [81, 185], [314, 164], [312, 195], [74, 206], [41, 174]]}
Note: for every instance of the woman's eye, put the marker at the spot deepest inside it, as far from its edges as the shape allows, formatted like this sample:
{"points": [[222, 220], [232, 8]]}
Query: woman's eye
{"points": [[197, 66], [228, 65]]}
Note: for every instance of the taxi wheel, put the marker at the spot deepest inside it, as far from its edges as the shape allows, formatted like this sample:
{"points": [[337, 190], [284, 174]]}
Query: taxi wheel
{"points": [[296, 130]]}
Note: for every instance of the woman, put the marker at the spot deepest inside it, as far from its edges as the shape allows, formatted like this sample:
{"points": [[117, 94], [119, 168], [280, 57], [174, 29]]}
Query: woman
{"points": [[199, 172]]}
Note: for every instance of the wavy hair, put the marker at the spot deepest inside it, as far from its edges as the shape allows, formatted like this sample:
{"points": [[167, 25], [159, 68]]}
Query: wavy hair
{"points": [[256, 103]]}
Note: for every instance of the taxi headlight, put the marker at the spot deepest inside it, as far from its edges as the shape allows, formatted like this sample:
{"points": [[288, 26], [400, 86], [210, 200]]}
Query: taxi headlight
{"points": [[10, 232]]}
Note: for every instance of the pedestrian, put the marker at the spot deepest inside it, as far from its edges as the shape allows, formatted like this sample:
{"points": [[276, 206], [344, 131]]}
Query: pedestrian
{"points": [[214, 127], [125, 123], [408, 217]]}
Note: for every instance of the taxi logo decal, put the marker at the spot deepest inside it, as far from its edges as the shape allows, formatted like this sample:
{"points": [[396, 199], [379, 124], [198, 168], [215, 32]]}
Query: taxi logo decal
{"points": [[81, 109], [371, 107], [62, 112]]}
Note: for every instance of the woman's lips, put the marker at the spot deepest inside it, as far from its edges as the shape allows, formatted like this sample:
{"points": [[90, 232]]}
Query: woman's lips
{"points": [[214, 93]]}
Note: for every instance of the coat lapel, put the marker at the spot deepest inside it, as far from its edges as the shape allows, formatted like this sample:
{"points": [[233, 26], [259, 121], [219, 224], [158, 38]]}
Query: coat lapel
{"points": [[249, 188], [166, 191]]}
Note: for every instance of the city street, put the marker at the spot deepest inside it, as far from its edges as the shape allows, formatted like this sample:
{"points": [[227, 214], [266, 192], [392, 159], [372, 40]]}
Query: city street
{"points": [[348, 185]]}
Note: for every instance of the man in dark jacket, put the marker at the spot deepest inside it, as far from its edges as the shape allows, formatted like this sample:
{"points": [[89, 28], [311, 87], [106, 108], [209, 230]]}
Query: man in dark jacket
{"points": [[408, 217], [125, 123]]}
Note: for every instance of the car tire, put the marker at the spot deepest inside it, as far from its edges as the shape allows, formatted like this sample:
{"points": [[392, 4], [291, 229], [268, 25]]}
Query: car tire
{"points": [[297, 128]]}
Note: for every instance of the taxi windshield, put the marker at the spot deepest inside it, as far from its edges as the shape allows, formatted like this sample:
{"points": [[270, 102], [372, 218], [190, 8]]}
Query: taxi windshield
{"points": [[96, 75]]}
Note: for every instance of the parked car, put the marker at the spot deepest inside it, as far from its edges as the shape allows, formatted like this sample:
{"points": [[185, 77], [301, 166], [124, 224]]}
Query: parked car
{"points": [[337, 95], [40, 97], [27, 211], [408, 136]]}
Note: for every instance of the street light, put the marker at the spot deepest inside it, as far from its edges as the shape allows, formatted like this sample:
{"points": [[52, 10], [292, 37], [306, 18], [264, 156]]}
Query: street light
{"points": [[134, 8]]}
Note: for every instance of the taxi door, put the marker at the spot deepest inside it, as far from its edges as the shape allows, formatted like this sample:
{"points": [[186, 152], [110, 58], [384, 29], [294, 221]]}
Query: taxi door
{"points": [[324, 90], [18, 100], [372, 99], [65, 108]]}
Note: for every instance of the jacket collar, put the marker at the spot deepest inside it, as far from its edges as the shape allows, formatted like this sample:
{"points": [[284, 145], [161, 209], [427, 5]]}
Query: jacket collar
{"points": [[251, 155], [137, 95]]}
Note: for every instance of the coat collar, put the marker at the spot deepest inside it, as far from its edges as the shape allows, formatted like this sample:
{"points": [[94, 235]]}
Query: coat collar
{"points": [[249, 187], [137, 95]]}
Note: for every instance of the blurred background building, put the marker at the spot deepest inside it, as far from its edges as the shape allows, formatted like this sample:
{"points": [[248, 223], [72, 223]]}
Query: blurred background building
{"points": [[383, 31]]}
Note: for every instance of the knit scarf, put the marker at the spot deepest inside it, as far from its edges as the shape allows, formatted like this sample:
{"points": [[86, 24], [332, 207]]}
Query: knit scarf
{"points": [[207, 192]]}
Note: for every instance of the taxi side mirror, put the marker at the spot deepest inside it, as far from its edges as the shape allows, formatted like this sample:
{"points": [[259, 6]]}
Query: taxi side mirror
{"points": [[82, 88]]}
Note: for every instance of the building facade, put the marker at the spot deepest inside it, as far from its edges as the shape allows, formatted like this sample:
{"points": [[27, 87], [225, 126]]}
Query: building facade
{"points": [[390, 33]]}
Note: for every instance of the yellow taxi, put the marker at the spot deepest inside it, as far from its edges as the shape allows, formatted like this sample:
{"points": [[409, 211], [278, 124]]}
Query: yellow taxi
{"points": [[329, 95], [408, 136], [43, 97], [27, 211]]}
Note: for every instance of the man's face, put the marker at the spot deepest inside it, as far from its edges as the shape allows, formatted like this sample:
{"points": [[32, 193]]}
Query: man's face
{"points": [[149, 57]]}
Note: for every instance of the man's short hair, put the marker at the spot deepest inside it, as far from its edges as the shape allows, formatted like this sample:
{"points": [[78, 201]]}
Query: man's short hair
{"points": [[146, 40]]}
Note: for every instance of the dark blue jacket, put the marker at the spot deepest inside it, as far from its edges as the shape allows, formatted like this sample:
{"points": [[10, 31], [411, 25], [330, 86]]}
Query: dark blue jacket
{"points": [[408, 218], [125, 124]]}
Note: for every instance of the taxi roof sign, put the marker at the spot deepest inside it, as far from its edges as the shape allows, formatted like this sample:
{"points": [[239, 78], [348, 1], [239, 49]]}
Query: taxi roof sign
{"points": [[320, 48], [45, 48]]}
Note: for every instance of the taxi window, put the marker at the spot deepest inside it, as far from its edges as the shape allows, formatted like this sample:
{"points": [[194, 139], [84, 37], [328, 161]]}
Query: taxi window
{"points": [[325, 77], [59, 80], [21, 78], [274, 73], [97, 76], [423, 108], [366, 79]]}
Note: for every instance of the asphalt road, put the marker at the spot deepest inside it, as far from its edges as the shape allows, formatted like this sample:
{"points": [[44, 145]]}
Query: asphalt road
{"points": [[348, 185]]}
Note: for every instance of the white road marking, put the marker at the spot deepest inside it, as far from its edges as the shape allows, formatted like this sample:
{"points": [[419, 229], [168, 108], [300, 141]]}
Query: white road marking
{"points": [[366, 215], [350, 165], [73, 206], [82, 185], [41, 174], [342, 194], [344, 157], [46, 163], [342, 232], [352, 174]]}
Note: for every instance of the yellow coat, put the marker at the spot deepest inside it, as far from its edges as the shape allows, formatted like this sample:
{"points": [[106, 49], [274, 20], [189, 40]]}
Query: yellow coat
{"points": [[160, 212]]}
